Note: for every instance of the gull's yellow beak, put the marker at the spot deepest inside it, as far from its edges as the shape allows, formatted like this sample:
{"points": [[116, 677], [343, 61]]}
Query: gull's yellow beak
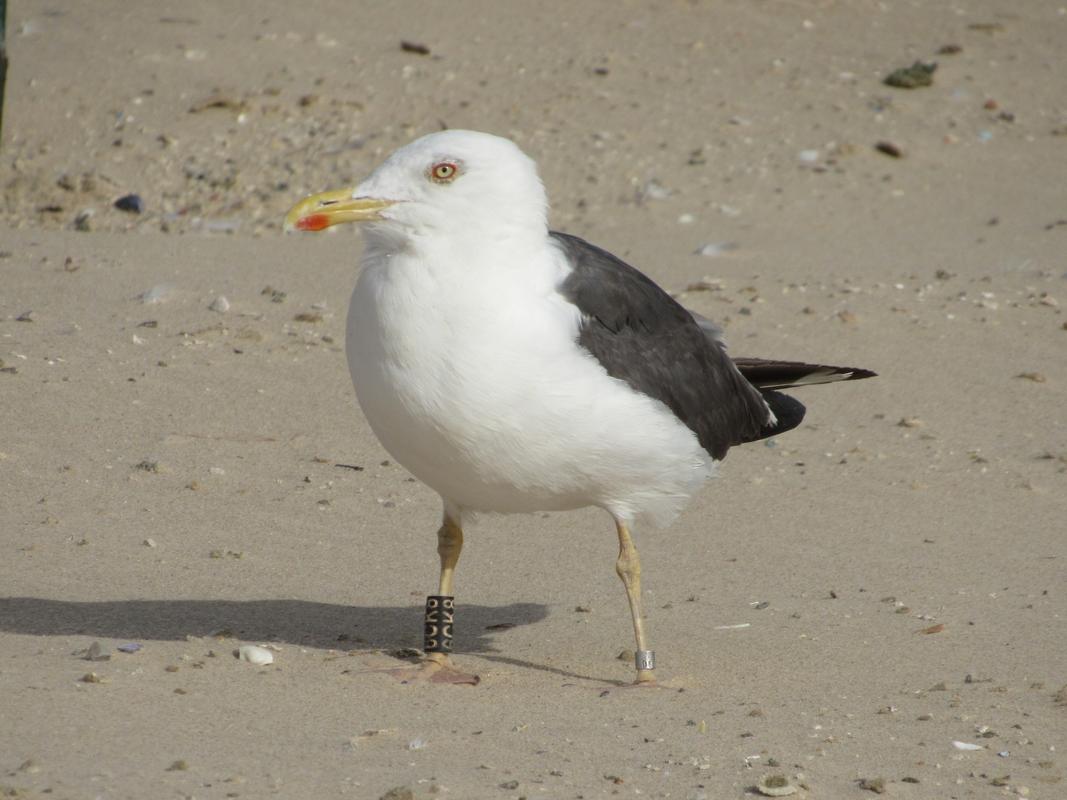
{"points": [[320, 211]]}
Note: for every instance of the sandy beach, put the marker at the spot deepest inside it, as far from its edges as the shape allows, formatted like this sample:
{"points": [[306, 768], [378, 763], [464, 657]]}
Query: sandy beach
{"points": [[874, 603]]}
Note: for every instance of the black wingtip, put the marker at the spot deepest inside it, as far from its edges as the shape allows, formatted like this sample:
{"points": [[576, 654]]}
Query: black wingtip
{"points": [[764, 373], [858, 373]]}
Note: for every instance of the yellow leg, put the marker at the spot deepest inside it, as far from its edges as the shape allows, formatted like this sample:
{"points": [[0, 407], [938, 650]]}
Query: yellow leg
{"points": [[628, 566], [449, 545]]}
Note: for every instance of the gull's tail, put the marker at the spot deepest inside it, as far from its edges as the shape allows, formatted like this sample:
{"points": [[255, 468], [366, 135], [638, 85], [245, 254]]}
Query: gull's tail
{"points": [[768, 375]]}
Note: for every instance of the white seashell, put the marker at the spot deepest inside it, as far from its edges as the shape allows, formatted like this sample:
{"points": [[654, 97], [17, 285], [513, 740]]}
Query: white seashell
{"points": [[157, 294], [713, 249], [253, 654], [655, 191]]}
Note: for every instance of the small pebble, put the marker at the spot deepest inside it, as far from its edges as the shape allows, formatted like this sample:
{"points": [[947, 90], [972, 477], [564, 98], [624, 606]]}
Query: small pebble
{"points": [[889, 149], [131, 203], [876, 785], [913, 77], [96, 653], [82, 220], [220, 304], [275, 295]]}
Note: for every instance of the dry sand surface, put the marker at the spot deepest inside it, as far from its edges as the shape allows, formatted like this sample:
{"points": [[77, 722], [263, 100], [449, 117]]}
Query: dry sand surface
{"points": [[839, 607]]}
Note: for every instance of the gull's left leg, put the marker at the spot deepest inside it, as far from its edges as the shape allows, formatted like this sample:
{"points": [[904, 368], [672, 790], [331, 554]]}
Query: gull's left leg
{"points": [[436, 666], [440, 608], [628, 566]]}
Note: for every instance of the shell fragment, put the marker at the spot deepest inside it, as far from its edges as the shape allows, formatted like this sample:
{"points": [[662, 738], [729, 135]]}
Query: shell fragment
{"points": [[253, 654]]}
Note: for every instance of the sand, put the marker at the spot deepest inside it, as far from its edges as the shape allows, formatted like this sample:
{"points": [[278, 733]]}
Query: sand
{"points": [[839, 607]]}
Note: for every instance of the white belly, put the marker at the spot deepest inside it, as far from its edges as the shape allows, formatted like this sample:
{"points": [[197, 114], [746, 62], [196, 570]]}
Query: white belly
{"points": [[475, 384]]}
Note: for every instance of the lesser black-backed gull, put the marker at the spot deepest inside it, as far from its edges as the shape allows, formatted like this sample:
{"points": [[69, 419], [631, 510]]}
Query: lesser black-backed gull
{"points": [[515, 369]]}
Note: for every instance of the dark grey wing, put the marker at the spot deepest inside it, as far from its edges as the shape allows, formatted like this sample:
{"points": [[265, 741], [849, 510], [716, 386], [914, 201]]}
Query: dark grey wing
{"points": [[642, 336]]}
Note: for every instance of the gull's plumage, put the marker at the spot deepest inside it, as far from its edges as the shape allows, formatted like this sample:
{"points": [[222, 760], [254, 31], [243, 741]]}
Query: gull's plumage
{"points": [[463, 348], [514, 369]]}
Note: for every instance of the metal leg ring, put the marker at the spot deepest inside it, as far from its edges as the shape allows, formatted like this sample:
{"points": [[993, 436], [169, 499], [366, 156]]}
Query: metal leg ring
{"points": [[645, 659]]}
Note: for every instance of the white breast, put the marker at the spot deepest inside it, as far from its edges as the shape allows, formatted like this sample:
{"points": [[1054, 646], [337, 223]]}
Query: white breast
{"points": [[471, 377]]}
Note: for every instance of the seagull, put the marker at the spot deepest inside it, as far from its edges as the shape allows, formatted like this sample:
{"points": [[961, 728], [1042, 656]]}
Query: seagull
{"points": [[514, 369]]}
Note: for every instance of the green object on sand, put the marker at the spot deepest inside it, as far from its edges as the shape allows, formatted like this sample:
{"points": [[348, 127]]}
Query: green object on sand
{"points": [[918, 74]]}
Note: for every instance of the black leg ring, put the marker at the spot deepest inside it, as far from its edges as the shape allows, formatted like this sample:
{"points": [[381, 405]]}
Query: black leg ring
{"points": [[440, 610]]}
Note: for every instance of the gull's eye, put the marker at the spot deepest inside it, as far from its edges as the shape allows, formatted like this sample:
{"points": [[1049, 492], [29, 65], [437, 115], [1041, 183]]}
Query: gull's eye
{"points": [[443, 172]]}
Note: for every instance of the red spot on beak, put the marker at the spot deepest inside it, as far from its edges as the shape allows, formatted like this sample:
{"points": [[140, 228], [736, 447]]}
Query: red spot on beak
{"points": [[313, 222]]}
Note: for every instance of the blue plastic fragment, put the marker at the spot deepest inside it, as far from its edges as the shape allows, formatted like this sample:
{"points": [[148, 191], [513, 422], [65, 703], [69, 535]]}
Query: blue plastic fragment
{"points": [[129, 647]]}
